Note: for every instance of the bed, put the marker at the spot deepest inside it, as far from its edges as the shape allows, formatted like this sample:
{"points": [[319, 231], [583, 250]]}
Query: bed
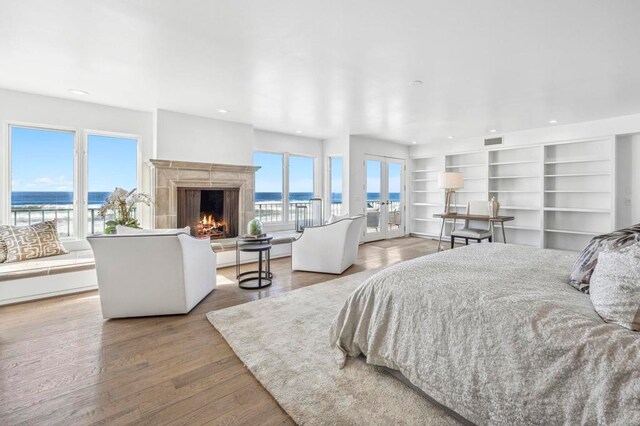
{"points": [[495, 333]]}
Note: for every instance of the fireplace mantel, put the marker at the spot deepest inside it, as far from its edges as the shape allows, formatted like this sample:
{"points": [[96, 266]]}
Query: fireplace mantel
{"points": [[188, 165], [168, 176]]}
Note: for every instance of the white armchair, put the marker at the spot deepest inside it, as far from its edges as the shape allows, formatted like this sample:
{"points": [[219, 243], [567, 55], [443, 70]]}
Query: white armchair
{"points": [[330, 248], [152, 274]]}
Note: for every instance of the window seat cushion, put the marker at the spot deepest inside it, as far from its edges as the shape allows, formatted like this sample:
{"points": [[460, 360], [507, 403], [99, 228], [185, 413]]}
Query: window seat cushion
{"points": [[71, 262]]}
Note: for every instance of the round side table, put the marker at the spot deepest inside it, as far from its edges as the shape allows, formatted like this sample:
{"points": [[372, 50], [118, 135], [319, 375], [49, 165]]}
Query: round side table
{"points": [[260, 278]]}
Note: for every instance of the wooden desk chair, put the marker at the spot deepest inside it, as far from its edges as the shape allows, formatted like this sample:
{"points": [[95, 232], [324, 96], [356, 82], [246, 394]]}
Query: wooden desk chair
{"points": [[474, 230]]}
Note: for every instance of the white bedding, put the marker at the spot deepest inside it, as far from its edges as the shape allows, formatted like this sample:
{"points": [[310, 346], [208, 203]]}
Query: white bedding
{"points": [[495, 333]]}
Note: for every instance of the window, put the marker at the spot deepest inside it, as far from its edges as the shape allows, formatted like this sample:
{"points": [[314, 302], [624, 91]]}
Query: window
{"points": [[276, 169], [104, 175], [42, 177], [47, 176], [335, 184], [300, 182], [269, 186]]}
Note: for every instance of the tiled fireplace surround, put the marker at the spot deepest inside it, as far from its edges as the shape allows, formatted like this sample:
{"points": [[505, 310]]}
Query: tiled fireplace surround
{"points": [[168, 176]]}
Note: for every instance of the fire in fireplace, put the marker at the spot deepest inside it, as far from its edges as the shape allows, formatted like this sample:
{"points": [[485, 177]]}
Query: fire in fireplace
{"points": [[211, 213], [210, 227]]}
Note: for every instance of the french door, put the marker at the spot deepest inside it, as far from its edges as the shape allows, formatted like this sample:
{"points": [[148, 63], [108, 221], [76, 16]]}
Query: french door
{"points": [[384, 198]]}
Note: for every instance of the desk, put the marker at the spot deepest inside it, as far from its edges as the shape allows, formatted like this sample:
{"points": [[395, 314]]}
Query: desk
{"points": [[492, 220]]}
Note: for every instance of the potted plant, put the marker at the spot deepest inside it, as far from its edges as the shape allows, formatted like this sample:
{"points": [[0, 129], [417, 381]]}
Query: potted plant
{"points": [[122, 203]]}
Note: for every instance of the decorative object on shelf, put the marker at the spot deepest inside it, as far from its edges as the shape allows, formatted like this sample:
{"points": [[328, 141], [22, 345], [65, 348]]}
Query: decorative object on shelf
{"points": [[450, 181], [122, 203], [254, 228], [494, 207], [317, 212], [302, 217]]}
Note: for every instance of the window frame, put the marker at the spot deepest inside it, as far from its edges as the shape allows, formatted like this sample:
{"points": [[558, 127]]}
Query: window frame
{"points": [[285, 223], [8, 187], [85, 167], [80, 174], [329, 179]]}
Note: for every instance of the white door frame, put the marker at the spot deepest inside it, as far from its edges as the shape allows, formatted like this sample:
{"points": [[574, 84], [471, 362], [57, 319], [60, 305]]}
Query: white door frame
{"points": [[383, 231]]}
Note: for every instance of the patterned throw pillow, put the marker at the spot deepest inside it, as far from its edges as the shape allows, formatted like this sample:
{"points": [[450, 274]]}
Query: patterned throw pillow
{"points": [[615, 287], [31, 242], [586, 263], [3, 251]]}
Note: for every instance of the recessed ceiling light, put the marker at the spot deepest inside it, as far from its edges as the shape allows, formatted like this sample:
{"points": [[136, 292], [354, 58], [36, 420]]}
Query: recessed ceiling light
{"points": [[298, 131], [78, 92], [449, 137], [553, 121], [492, 131], [416, 82], [414, 142], [223, 111]]}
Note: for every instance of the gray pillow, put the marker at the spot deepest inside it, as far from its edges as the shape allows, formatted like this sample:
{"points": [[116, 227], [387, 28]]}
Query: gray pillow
{"points": [[615, 287], [588, 259], [3, 251], [31, 242]]}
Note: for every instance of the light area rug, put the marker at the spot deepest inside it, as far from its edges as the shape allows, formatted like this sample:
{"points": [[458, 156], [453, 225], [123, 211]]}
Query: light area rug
{"points": [[284, 341]]}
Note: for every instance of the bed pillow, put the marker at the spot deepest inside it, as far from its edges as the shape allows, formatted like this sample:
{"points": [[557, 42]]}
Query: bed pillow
{"points": [[31, 242], [615, 286], [586, 263]]}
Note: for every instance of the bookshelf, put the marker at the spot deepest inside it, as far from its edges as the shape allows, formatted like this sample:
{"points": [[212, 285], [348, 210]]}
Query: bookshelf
{"points": [[515, 179], [561, 194], [578, 194], [426, 199]]}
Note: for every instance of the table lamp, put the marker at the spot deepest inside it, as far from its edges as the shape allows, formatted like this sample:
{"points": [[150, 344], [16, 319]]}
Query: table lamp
{"points": [[450, 181]]}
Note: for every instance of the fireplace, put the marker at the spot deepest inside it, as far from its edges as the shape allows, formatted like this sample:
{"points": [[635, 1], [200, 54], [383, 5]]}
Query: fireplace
{"points": [[210, 212], [230, 200]]}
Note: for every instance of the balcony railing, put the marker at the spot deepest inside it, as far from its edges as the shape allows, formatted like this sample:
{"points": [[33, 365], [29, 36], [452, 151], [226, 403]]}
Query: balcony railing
{"points": [[272, 212], [64, 217]]}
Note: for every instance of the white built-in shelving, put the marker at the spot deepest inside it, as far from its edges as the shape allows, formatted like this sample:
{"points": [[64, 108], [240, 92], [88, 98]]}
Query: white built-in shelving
{"points": [[426, 198], [515, 180], [561, 194], [578, 192]]}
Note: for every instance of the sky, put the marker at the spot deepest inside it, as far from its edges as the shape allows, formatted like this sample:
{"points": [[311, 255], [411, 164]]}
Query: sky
{"points": [[336, 175], [269, 177], [374, 169], [42, 160]]}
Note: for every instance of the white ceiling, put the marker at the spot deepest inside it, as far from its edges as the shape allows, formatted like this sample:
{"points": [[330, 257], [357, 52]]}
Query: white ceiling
{"points": [[329, 66]]}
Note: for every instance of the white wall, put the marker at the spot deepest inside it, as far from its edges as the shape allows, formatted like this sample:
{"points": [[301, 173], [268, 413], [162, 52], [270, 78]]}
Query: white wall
{"points": [[627, 180], [24, 108], [186, 137], [359, 147], [337, 147], [556, 133]]}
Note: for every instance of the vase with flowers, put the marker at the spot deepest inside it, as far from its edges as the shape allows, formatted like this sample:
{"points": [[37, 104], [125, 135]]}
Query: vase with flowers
{"points": [[120, 204]]}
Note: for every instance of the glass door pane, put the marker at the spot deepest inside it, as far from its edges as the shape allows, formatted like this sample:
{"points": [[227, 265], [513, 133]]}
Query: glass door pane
{"points": [[394, 197], [373, 194]]}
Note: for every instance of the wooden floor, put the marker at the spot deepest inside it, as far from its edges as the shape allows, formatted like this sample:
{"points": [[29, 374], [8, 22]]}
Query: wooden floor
{"points": [[61, 363]]}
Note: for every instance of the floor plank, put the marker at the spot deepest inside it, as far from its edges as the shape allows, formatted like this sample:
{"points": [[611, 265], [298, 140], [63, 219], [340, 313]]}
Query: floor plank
{"points": [[61, 363]]}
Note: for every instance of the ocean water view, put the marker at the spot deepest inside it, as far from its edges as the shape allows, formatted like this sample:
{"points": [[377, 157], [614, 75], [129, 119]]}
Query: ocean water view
{"points": [[62, 198], [53, 198]]}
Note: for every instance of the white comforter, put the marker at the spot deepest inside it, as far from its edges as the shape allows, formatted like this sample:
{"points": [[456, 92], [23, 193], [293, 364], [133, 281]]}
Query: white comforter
{"points": [[495, 333]]}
